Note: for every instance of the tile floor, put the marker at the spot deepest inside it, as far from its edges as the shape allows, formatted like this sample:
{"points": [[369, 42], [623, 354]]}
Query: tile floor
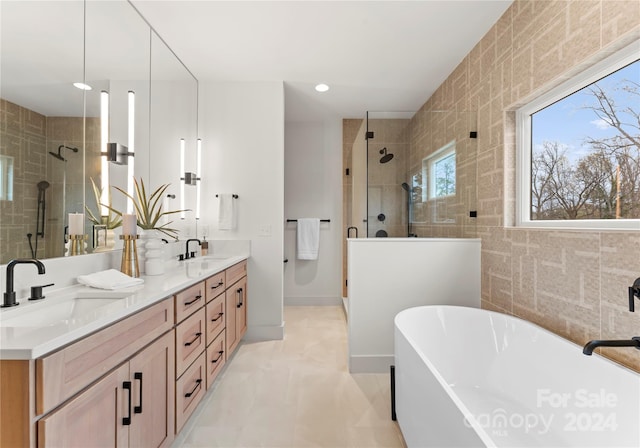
{"points": [[296, 393]]}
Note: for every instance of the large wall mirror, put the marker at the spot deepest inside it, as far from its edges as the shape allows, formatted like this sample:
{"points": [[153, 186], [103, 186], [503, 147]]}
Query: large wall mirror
{"points": [[52, 133]]}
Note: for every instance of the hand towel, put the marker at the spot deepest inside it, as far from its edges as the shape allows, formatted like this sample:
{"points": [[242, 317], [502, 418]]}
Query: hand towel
{"points": [[308, 238], [109, 279], [226, 212]]}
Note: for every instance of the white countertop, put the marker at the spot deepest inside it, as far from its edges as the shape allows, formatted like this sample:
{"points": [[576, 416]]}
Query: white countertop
{"points": [[26, 341]]}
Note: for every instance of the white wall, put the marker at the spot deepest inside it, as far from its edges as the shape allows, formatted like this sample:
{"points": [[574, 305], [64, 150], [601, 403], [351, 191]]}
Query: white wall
{"points": [[313, 188], [388, 275], [242, 130]]}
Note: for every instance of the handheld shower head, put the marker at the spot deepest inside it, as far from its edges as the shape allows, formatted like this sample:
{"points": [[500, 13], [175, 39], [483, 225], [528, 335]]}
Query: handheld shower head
{"points": [[405, 186], [43, 185], [386, 157]]}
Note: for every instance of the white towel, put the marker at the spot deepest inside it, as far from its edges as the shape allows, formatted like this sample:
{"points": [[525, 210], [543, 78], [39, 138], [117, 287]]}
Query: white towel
{"points": [[226, 212], [308, 238], [109, 279]]}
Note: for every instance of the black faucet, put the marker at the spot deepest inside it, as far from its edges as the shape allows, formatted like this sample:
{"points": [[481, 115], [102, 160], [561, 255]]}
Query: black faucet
{"points": [[592, 345], [193, 254], [10, 295]]}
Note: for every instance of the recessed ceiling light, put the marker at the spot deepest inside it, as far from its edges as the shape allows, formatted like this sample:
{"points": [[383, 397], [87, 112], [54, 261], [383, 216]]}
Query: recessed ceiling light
{"points": [[82, 86], [322, 87]]}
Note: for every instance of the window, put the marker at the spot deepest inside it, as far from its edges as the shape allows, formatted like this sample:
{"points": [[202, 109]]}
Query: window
{"points": [[6, 178], [579, 150], [439, 173]]}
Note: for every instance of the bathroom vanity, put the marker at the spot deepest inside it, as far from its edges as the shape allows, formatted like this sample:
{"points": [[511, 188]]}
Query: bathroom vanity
{"points": [[119, 368]]}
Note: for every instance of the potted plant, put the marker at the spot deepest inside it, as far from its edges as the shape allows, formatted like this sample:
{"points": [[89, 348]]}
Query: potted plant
{"points": [[107, 222], [148, 208], [149, 216]]}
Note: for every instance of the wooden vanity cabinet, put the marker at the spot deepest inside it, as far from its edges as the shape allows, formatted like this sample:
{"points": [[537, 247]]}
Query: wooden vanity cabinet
{"points": [[132, 406], [236, 307]]}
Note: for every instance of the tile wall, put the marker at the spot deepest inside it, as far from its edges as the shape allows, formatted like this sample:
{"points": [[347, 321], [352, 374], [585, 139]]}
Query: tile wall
{"points": [[571, 282]]}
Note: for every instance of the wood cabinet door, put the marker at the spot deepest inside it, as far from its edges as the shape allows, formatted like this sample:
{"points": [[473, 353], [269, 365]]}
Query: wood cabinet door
{"points": [[231, 298], [95, 418], [153, 394], [241, 309]]}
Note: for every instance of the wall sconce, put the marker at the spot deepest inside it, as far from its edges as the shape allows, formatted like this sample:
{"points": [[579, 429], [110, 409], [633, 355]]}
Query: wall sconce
{"points": [[104, 163], [131, 143], [189, 178], [199, 171], [182, 213]]}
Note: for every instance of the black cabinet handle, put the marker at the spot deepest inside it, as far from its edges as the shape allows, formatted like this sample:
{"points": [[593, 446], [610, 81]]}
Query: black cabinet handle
{"points": [[187, 344], [198, 297], [138, 409], [240, 295], [218, 285], [188, 394], [217, 318], [220, 353], [127, 420]]}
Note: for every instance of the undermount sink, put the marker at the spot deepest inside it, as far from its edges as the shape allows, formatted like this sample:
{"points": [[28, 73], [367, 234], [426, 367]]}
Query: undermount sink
{"points": [[214, 257], [79, 308]]}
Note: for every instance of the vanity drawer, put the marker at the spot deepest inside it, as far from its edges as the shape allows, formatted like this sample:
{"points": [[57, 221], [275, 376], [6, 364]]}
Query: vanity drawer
{"points": [[215, 285], [190, 389], [67, 371], [189, 300], [190, 340], [215, 318], [236, 272], [215, 358]]}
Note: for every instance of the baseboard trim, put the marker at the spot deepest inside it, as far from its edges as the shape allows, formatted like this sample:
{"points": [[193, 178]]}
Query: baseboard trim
{"points": [[312, 301], [264, 332], [370, 364]]}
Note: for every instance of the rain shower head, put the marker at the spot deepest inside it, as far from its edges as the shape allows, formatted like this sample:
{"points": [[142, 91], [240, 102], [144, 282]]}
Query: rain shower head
{"points": [[385, 157], [59, 155]]}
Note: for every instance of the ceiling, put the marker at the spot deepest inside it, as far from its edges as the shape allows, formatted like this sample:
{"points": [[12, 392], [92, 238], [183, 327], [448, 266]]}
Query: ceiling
{"points": [[375, 55]]}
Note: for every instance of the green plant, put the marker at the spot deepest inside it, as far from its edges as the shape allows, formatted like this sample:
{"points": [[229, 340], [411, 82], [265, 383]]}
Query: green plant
{"points": [[111, 220], [149, 208]]}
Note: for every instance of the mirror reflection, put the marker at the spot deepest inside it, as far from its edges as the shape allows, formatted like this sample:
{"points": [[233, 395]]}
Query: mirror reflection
{"points": [[41, 132], [52, 133]]}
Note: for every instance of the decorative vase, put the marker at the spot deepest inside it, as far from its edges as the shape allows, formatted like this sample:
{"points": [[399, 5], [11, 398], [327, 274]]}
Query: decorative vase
{"points": [[151, 253]]}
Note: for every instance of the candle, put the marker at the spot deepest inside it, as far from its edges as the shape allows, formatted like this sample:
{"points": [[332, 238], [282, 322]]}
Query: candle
{"points": [[129, 224], [76, 223]]}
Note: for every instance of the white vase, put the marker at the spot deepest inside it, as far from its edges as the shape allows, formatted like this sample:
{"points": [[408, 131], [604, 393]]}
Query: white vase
{"points": [[152, 257]]}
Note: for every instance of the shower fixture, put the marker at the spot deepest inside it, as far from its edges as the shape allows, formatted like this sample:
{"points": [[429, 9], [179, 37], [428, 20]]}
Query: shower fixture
{"points": [[385, 157], [42, 186], [59, 155]]}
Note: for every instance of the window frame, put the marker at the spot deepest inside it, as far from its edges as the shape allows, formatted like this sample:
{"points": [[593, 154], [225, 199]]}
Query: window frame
{"points": [[428, 168], [604, 68]]}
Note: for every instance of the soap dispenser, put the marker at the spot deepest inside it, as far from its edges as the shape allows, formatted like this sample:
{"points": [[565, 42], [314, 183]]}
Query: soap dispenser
{"points": [[204, 247]]}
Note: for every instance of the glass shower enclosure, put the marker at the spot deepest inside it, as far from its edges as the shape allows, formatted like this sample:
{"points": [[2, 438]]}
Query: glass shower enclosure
{"points": [[414, 175]]}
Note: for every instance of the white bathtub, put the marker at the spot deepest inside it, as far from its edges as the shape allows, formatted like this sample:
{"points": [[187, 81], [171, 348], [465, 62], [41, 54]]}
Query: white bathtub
{"points": [[467, 377]]}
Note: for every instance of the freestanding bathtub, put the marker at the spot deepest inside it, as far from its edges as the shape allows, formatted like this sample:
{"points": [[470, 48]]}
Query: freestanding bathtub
{"points": [[468, 377]]}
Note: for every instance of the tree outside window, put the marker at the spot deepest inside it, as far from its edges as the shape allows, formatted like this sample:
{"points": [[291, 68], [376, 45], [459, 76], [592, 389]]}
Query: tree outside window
{"points": [[585, 152]]}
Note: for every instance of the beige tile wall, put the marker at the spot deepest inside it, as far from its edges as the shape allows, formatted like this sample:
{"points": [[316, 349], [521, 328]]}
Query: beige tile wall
{"points": [[571, 282], [384, 180], [23, 137], [29, 137]]}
